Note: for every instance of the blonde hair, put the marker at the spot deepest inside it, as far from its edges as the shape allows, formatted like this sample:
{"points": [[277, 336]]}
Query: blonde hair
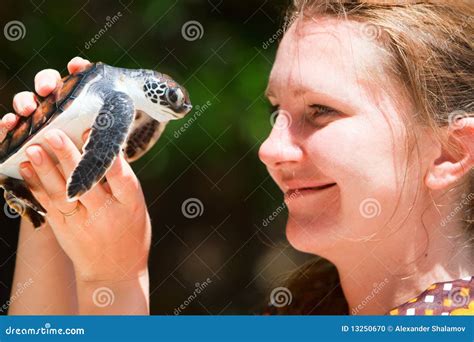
{"points": [[428, 51]]}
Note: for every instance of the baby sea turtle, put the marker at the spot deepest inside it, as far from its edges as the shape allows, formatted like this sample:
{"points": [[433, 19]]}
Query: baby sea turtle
{"points": [[124, 108]]}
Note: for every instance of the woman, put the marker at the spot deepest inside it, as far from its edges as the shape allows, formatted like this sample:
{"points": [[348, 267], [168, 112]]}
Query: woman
{"points": [[372, 148]]}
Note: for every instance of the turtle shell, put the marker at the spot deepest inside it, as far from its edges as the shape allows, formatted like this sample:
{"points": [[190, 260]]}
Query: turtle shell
{"points": [[48, 109]]}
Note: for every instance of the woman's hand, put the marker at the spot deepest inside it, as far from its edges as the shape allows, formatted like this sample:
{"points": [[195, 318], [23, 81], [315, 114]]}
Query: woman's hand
{"points": [[53, 283], [24, 103], [107, 232]]}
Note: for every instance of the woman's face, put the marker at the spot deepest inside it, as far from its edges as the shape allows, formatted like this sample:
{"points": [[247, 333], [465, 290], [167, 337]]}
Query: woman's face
{"points": [[337, 128]]}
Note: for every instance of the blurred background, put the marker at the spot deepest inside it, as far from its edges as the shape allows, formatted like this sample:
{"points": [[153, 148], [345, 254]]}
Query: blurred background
{"points": [[208, 194]]}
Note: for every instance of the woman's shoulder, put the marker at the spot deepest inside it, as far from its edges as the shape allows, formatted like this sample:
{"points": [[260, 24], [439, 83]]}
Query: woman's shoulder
{"points": [[445, 298]]}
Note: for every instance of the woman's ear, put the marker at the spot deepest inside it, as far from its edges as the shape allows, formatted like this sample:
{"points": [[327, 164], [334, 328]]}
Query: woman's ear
{"points": [[452, 165]]}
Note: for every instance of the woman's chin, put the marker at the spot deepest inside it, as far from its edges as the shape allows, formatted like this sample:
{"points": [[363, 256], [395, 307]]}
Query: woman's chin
{"points": [[311, 235]]}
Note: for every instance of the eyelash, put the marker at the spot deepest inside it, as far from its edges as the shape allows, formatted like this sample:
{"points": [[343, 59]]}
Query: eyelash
{"points": [[323, 110], [318, 110]]}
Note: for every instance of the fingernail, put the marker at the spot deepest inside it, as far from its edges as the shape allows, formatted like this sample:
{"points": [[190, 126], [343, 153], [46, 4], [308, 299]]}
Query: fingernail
{"points": [[25, 171], [54, 139], [10, 124], [9, 119], [26, 107], [33, 152], [41, 85], [45, 84]]}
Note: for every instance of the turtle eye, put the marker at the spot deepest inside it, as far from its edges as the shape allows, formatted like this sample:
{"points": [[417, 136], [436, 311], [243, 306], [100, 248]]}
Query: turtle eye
{"points": [[174, 96], [171, 95]]}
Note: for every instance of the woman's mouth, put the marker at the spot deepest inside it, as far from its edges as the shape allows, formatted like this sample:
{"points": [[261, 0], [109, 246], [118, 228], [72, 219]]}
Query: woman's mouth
{"points": [[292, 193]]}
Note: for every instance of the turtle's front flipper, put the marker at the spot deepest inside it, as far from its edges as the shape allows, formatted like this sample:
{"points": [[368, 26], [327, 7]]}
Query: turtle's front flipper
{"points": [[105, 141], [145, 132], [21, 200]]}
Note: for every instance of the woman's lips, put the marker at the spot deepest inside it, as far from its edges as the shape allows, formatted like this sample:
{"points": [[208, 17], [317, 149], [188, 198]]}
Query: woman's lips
{"points": [[307, 190]]}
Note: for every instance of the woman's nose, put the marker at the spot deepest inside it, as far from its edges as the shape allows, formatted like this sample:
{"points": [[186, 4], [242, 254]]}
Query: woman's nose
{"points": [[281, 146]]}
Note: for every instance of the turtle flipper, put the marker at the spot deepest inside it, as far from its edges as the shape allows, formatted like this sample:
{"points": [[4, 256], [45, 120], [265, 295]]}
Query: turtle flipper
{"points": [[145, 132], [105, 141], [21, 200]]}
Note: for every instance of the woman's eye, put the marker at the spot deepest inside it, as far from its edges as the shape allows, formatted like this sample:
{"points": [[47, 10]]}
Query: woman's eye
{"points": [[316, 111], [320, 110]]}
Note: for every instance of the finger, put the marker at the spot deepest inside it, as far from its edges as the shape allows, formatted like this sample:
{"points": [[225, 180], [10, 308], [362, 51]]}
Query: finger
{"points": [[3, 131], [85, 135], [46, 81], [51, 180], [7, 123], [34, 183], [69, 156], [9, 120], [106, 187], [77, 64], [25, 103], [122, 180]]}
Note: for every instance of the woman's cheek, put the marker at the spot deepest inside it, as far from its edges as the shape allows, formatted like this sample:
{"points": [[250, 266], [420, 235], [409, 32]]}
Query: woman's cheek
{"points": [[361, 162]]}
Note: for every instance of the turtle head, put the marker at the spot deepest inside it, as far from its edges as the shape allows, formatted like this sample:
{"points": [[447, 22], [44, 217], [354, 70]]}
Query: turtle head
{"points": [[165, 97]]}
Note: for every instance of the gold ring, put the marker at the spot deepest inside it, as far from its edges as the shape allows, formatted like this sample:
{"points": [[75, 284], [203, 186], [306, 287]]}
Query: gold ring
{"points": [[72, 212]]}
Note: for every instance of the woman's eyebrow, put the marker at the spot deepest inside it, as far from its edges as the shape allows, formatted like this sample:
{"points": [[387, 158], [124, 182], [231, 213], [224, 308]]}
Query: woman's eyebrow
{"points": [[324, 96], [301, 91], [328, 98]]}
